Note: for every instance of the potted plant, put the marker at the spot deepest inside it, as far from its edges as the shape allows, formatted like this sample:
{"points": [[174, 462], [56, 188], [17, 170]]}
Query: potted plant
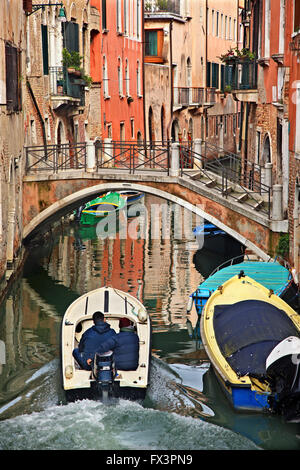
{"points": [[72, 61], [227, 89], [236, 55]]}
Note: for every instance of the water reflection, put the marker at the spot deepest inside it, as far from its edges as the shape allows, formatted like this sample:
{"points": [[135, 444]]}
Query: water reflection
{"points": [[160, 272]]}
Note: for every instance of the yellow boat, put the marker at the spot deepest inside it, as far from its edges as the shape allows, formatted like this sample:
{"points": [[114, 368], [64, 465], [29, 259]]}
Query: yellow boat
{"points": [[252, 338]]}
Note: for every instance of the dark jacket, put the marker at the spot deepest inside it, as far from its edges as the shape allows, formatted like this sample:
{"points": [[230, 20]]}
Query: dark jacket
{"points": [[126, 349], [93, 338]]}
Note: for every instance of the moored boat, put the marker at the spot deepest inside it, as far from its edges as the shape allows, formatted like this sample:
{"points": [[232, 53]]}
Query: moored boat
{"points": [[131, 195], [103, 380], [271, 274], [99, 207], [252, 338]]}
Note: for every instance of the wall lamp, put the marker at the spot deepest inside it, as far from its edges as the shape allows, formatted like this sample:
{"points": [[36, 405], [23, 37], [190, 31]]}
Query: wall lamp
{"points": [[33, 8]]}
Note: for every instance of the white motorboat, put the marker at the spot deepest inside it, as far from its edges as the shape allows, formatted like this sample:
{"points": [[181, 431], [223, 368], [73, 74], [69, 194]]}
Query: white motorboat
{"points": [[104, 380]]}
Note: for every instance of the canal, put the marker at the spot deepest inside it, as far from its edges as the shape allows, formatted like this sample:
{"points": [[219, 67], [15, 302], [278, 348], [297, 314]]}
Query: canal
{"points": [[158, 261]]}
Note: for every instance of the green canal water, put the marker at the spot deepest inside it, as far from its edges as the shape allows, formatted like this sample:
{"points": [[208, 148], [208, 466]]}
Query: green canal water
{"points": [[184, 408]]}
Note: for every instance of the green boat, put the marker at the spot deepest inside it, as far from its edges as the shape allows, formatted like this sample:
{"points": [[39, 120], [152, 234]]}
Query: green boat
{"points": [[101, 207]]}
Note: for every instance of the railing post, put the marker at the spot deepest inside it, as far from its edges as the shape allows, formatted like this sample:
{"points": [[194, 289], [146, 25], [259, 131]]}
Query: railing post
{"points": [[174, 168], [277, 209], [90, 156], [198, 151], [108, 151], [268, 174]]}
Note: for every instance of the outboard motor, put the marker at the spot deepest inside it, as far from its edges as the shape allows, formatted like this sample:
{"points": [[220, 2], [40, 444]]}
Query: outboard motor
{"points": [[283, 372], [104, 372]]}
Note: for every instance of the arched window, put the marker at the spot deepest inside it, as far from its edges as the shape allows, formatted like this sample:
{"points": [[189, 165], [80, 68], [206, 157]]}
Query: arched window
{"points": [[267, 150]]}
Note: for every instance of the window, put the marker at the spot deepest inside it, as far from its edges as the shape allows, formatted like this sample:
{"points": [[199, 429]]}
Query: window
{"points": [[153, 45], [45, 49], [125, 16], [229, 29], [71, 36], [104, 23], [132, 127], [119, 18], [120, 77], [225, 28], [105, 78], [138, 23], [217, 24], [127, 80], [122, 132], [221, 33], [13, 82], [213, 22], [215, 75], [208, 74], [296, 15], [138, 79]]}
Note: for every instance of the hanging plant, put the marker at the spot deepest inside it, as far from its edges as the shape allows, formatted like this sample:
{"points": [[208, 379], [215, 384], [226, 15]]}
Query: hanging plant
{"points": [[233, 55]]}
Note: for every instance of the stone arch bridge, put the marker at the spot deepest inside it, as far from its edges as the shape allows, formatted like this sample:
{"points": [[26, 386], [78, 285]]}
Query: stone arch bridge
{"points": [[204, 179], [58, 182]]}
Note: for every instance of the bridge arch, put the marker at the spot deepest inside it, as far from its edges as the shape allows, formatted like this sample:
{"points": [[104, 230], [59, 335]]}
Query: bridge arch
{"points": [[66, 204]]}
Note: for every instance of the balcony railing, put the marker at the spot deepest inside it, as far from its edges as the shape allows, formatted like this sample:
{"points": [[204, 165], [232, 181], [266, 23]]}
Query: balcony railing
{"points": [[65, 84], [244, 75], [162, 6], [192, 96]]}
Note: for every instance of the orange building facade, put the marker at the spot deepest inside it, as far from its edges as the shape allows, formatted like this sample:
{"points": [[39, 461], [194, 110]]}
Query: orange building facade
{"points": [[117, 64]]}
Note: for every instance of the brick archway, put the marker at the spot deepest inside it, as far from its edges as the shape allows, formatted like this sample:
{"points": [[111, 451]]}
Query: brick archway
{"points": [[45, 201]]}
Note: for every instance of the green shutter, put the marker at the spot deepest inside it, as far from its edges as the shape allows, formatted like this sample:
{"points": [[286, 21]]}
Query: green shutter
{"points": [[222, 77], [208, 74], [151, 43], [71, 36], [45, 49], [215, 75]]}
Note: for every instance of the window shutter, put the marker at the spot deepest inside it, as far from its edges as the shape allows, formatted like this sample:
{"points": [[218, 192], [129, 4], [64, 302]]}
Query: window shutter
{"points": [[215, 75], [71, 36], [208, 74], [12, 77], [45, 49]]}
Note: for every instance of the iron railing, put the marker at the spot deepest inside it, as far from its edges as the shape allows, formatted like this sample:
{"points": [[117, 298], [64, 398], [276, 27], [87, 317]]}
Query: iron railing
{"points": [[55, 157], [235, 179], [162, 6], [63, 83], [244, 75], [189, 96], [210, 165], [133, 157]]}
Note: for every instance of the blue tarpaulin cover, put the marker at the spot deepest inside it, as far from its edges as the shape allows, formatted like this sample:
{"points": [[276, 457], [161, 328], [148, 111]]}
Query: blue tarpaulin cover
{"points": [[247, 331]]}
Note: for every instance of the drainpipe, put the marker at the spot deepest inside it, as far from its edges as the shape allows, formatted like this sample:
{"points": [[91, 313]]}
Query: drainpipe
{"points": [[171, 79], [39, 114]]}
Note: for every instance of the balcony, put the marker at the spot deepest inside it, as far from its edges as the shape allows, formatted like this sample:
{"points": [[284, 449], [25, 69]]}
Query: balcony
{"points": [[193, 97], [66, 87], [243, 81], [162, 7]]}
